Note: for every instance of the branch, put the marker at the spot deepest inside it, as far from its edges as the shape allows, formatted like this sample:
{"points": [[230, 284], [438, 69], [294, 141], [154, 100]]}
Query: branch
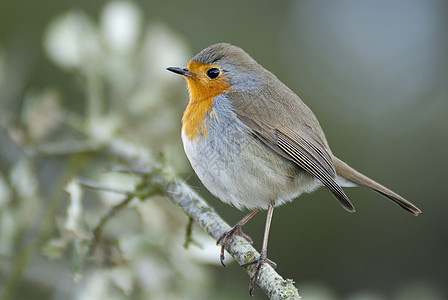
{"points": [[156, 180], [272, 284]]}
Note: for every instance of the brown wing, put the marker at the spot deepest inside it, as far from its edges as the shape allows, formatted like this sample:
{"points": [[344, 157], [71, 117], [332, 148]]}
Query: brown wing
{"points": [[307, 152]]}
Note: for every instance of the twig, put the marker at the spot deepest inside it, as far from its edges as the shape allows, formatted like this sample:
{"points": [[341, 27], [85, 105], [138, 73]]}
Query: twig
{"points": [[100, 187], [99, 227], [156, 180], [272, 284], [148, 186], [188, 235]]}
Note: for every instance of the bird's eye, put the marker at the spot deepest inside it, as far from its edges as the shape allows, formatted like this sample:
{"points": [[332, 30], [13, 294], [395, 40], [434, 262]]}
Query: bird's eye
{"points": [[213, 73]]}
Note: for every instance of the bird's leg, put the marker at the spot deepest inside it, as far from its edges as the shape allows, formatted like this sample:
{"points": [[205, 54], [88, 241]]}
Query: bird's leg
{"points": [[263, 254], [227, 236]]}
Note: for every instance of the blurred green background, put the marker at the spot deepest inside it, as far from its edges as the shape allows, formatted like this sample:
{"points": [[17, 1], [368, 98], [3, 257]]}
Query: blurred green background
{"points": [[374, 73]]}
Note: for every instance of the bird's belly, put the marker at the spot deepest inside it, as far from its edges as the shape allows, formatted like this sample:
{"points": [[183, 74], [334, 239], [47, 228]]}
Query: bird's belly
{"points": [[240, 170]]}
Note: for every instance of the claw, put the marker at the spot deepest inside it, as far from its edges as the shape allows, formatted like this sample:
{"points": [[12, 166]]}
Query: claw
{"points": [[226, 238], [256, 272]]}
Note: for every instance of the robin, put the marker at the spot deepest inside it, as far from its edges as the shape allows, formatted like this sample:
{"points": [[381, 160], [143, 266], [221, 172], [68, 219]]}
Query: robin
{"points": [[254, 144]]}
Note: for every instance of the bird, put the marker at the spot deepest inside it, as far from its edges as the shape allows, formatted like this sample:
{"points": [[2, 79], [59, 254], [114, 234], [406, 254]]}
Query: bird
{"points": [[256, 145]]}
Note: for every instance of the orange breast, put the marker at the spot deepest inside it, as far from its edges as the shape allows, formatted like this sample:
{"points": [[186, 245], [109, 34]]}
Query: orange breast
{"points": [[203, 91]]}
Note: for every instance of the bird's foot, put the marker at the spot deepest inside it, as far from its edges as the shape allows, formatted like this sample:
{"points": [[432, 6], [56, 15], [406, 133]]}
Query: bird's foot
{"points": [[255, 276], [227, 237]]}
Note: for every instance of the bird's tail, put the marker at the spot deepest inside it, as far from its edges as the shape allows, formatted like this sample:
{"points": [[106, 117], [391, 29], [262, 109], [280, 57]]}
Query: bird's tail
{"points": [[353, 176]]}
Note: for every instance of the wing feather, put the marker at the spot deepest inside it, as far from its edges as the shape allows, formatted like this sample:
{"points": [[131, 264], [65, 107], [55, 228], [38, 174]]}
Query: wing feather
{"points": [[308, 153]]}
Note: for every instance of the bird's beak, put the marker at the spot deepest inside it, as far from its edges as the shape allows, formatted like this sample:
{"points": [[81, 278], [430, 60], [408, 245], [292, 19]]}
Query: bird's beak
{"points": [[181, 71]]}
